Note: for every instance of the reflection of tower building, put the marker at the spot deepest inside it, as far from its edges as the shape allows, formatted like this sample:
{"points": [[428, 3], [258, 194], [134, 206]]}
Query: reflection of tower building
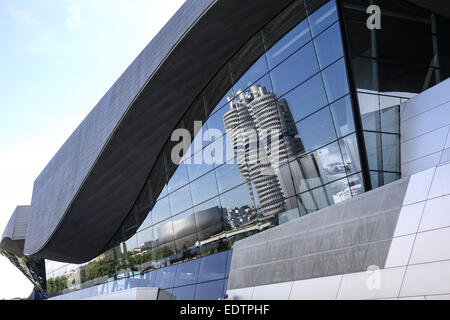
{"points": [[262, 134]]}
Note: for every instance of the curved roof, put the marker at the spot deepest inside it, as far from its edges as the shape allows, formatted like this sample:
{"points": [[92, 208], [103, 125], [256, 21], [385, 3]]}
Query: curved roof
{"points": [[86, 191]]}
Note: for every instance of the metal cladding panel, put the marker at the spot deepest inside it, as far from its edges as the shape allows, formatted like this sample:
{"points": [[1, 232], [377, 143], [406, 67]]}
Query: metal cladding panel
{"points": [[84, 194], [15, 231], [347, 237]]}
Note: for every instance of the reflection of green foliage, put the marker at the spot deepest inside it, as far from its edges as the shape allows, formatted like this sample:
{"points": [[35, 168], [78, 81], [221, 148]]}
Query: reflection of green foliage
{"points": [[57, 284], [161, 253], [15, 261], [219, 246]]}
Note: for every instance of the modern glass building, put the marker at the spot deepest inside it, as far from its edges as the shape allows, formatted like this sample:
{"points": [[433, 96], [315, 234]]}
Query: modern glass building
{"points": [[236, 119]]}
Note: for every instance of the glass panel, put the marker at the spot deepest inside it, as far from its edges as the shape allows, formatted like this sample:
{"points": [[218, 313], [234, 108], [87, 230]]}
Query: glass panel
{"points": [[178, 178], [228, 176], [391, 152], [204, 188], [238, 202], [323, 17], [373, 149], [230, 254], [291, 42], [318, 168], [184, 293], [161, 210], [390, 114], [163, 233], [299, 67], [187, 273], [382, 178], [343, 116], [307, 98], [444, 50], [215, 122], [149, 279], [316, 130], [395, 44], [196, 170], [187, 247], [145, 239], [284, 22], [209, 290], [350, 154], [254, 73], [213, 267], [356, 184], [329, 46], [365, 74], [218, 90], [360, 42], [335, 79], [184, 224], [369, 109], [164, 255], [165, 277], [209, 221], [147, 222], [390, 177], [180, 200], [311, 201]]}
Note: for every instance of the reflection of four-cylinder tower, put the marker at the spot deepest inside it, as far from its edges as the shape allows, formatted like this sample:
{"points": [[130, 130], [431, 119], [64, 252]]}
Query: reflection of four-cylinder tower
{"points": [[262, 133]]}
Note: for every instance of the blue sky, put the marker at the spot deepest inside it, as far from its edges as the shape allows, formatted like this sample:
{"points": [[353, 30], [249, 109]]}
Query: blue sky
{"points": [[57, 59]]}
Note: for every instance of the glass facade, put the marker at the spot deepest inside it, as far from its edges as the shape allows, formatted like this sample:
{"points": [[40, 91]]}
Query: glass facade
{"points": [[272, 137], [408, 55]]}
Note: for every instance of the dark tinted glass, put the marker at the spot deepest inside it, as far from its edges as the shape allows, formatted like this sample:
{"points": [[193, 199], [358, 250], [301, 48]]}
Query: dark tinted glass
{"points": [[395, 44]]}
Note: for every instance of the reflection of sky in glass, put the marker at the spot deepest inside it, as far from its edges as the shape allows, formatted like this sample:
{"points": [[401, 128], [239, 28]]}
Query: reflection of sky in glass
{"points": [[297, 37]]}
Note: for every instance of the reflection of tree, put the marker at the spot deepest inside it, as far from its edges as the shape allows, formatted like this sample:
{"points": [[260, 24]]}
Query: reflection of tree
{"points": [[162, 252], [57, 284], [33, 268]]}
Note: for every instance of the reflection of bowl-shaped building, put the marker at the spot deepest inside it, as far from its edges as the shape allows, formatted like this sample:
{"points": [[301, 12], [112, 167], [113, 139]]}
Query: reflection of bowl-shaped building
{"points": [[187, 230]]}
